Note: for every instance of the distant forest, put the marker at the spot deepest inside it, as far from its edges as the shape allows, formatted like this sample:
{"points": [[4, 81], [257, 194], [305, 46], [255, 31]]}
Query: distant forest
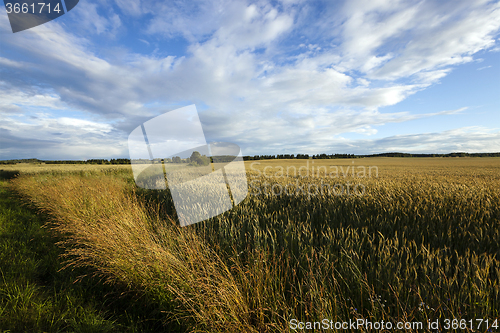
{"points": [[257, 157]]}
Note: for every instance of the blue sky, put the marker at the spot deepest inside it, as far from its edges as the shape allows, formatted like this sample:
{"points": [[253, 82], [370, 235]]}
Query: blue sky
{"points": [[271, 76]]}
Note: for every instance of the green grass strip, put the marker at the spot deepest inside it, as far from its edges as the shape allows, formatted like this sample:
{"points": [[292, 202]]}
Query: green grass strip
{"points": [[36, 296]]}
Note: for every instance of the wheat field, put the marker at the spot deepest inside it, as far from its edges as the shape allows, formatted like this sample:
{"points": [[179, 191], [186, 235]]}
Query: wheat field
{"points": [[392, 239]]}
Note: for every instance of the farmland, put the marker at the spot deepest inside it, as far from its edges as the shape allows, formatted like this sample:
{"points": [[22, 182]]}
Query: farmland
{"points": [[392, 239]]}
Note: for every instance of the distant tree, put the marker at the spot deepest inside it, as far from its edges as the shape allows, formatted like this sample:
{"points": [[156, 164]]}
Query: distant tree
{"points": [[197, 159]]}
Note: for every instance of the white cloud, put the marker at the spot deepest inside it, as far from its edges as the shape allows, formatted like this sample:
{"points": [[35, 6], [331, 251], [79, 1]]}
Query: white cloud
{"points": [[465, 139], [192, 20], [265, 73], [443, 35], [43, 136], [130, 7], [84, 125], [11, 63], [92, 22], [481, 68], [22, 100]]}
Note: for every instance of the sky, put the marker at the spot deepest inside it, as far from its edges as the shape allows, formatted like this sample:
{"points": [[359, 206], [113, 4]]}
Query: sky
{"points": [[274, 77]]}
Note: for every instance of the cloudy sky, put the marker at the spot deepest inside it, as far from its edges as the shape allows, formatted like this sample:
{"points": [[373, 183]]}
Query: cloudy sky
{"points": [[360, 76]]}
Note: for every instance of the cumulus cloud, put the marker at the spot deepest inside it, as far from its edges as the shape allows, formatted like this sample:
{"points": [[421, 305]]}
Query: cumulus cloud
{"points": [[43, 136], [465, 139], [264, 73]]}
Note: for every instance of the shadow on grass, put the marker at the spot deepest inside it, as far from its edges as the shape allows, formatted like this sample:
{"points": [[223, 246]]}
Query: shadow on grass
{"points": [[37, 296], [8, 174]]}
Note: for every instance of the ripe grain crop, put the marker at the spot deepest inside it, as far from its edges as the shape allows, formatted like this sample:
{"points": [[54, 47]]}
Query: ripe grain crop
{"points": [[31, 168], [421, 243]]}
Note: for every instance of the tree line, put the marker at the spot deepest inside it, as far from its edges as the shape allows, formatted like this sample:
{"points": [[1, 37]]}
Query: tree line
{"points": [[336, 156], [199, 159]]}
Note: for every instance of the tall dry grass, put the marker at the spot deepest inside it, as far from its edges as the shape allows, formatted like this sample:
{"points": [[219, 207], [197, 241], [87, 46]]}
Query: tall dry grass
{"points": [[105, 226]]}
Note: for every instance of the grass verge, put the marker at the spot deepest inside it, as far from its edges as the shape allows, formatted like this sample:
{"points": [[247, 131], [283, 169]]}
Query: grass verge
{"points": [[37, 296]]}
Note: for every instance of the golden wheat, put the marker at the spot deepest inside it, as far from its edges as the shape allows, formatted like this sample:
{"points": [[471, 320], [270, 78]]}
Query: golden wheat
{"points": [[420, 242]]}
